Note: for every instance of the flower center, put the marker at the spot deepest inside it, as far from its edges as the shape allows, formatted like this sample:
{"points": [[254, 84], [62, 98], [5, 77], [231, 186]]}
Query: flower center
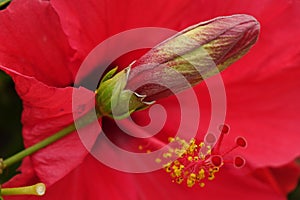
{"points": [[198, 163]]}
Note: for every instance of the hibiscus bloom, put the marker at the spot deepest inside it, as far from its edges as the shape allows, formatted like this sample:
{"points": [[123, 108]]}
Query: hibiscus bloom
{"points": [[46, 43]]}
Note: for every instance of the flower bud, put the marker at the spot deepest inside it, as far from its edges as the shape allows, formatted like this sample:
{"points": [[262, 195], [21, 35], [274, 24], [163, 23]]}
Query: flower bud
{"points": [[178, 63], [196, 53]]}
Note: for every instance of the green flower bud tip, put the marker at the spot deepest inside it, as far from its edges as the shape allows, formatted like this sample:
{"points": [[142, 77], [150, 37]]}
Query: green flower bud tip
{"points": [[194, 54], [114, 100]]}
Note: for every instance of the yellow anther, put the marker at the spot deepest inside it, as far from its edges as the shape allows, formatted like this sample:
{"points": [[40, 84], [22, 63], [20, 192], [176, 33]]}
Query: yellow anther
{"points": [[183, 142], [140, 147], [179, 180], [179, 152], [168, 169], [176, 162], [193, 175], [201, 174], [201, 171], [201, 156], [185, 147], [191, 149], [167, 155], [192, 166], [208, 151], [177, 172], [192, 141], [211, 177], [216, 169], [191, 180], [148, 151], [171, 150], [167, 166]]}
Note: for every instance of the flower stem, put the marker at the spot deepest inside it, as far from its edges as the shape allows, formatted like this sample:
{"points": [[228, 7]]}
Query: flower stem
{"points": [[81, 122]]}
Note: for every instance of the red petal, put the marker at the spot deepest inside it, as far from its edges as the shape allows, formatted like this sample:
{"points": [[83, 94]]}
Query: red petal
{"points": [[283, 179], [34, 44], [279, 24], [27, 177], [262, 90], [96, 181], [46, 111], [87, 29], [262, 87]]}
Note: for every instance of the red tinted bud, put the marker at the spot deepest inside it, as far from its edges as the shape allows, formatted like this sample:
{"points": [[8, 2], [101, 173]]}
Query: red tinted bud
{"points": [[196, 53]]}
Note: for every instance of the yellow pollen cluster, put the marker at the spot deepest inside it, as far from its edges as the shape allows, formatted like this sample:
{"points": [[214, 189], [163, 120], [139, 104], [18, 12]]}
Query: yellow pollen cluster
{"points": [[192, 166]]}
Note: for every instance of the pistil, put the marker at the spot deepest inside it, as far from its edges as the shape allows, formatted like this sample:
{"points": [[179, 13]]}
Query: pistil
{"points": [[198, 163]]}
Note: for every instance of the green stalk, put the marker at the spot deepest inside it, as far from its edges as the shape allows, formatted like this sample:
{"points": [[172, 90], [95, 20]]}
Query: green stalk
{"points": [[30, 150], [83, 121]]}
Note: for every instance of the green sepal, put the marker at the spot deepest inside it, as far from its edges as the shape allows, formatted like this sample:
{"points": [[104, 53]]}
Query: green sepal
{"points": [[109, 74], [114, 100]]}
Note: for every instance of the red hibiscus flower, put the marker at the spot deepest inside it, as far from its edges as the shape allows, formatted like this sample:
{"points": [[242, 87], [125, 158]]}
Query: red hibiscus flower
{"points": [[45, 43]]}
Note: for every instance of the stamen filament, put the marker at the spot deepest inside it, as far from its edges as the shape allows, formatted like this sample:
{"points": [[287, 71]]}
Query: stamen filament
{"points": [[198, 163], [240, 142], [224, 130], [230, 150]]}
